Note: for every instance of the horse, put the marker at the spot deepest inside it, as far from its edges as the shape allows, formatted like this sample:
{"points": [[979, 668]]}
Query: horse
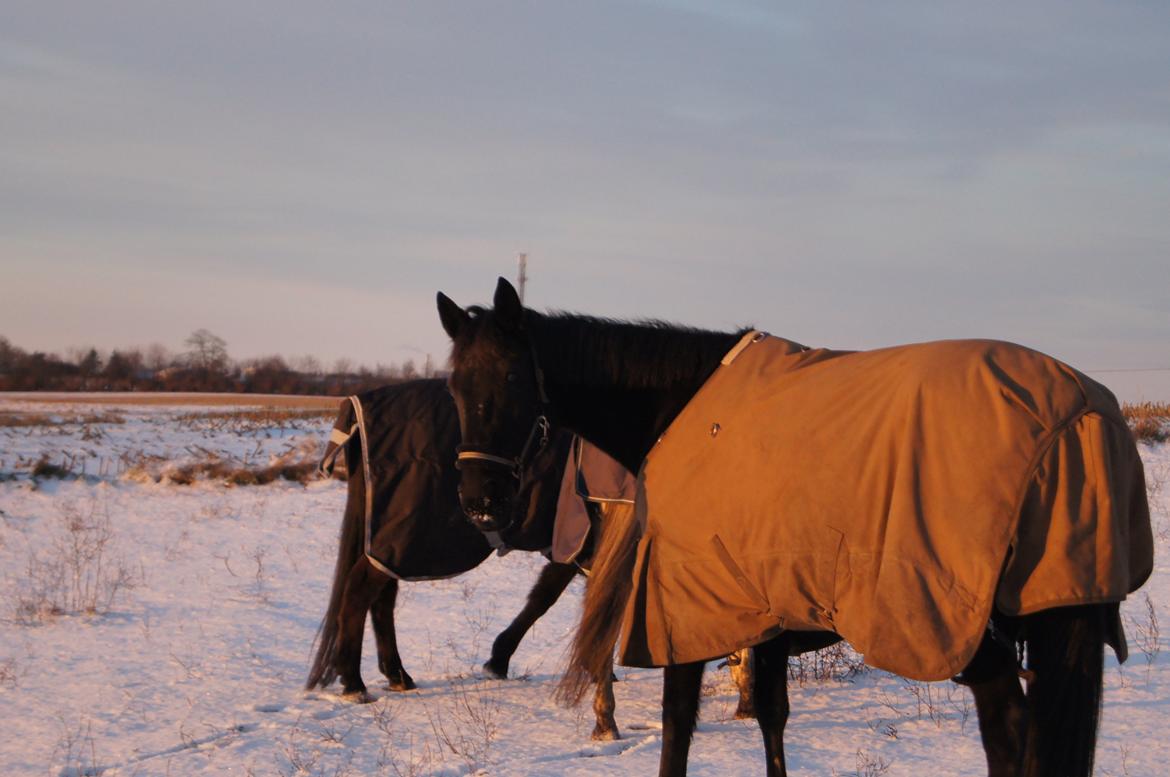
{"points": [[403, 438], [621, 385], [598, 632]]}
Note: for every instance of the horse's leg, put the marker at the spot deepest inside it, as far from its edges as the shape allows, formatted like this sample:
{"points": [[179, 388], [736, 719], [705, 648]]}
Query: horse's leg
{"points": [[1066, 653], [680, 710], [742, 666], [771, 667], [551, 583], [1003, 718], [606, 728], [362, 586], [389, 662], [993, 679]]}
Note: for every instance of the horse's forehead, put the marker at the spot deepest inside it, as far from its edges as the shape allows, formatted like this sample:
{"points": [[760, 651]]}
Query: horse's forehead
{"points": [[479, 361], [486, 350]]}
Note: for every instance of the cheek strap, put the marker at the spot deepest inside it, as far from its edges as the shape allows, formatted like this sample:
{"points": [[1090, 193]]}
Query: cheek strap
{"points": [[537, 440]]}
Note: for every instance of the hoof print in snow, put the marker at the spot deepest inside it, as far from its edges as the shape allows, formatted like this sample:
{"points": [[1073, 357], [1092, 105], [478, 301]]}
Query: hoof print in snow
{"points": [[276, 707]]}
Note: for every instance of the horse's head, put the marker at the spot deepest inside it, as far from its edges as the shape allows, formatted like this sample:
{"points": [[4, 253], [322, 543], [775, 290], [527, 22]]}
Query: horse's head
{"points": [[499, 394]]}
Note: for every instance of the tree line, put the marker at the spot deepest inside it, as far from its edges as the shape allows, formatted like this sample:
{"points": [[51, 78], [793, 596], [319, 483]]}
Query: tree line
{"points": [[204, 366]]}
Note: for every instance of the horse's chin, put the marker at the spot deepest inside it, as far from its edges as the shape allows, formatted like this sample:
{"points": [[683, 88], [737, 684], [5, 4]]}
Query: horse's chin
{"points": [[486, 522], [481, 521]]}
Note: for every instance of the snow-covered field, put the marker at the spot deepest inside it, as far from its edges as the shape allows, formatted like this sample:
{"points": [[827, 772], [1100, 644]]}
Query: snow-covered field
{"points": [[204, 599]]}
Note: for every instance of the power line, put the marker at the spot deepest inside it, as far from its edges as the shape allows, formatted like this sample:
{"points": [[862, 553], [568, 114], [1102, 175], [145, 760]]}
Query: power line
{"points": [[1133, 369]]}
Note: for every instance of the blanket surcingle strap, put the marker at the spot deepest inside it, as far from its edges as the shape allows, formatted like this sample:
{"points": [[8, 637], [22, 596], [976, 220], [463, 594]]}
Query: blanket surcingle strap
{"points": [[894, 496]]}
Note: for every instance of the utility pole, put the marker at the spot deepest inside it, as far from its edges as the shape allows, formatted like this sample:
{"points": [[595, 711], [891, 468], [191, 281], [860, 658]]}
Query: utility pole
{"points": [[523, 277]]}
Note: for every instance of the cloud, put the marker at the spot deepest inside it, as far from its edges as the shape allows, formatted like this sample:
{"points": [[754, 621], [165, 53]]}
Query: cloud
{"points": [[863, 172]]}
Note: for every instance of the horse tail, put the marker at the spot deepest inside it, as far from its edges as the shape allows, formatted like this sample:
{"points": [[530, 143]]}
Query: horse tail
{"points": [[1066, 653], [606, 593], [350, 549]]}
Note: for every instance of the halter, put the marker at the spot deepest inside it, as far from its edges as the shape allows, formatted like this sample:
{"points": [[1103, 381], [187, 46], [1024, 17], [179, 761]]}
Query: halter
{"points": [[537, 439], [537, 436]]}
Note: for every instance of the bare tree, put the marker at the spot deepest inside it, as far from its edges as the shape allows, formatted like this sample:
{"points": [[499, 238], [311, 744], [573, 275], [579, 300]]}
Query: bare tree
{"points": [[122, 367], [89, 366], [207, 351], [10, 355], [157, 357], [307, 364], [91, 363]]}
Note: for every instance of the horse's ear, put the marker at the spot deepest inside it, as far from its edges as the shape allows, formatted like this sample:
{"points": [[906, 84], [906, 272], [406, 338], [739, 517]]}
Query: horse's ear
{"points": [[453, 317], [509, 310]]}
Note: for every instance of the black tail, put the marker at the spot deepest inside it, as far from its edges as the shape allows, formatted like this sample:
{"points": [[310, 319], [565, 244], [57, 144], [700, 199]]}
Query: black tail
{"points": [[1066, 652], [606, 594], [350, 548]]}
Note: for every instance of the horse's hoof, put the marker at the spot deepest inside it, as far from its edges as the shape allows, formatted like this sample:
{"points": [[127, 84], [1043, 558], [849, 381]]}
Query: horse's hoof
{"points": [[495, 669], [605, 733], [745, 713], [359, 696], [403, 682]]}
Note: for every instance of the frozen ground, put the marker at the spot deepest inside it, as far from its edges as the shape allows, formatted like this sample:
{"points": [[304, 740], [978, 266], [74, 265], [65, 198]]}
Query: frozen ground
{"points": [[208, 597]]}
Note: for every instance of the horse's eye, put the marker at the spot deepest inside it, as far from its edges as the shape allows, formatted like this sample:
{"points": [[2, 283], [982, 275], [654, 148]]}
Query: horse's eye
{"points": [[511, 378]]}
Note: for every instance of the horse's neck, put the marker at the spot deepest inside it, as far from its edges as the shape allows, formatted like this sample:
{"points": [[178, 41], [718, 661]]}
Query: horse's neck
{"points": [[625, 417], [540, 493], [603, 419]]}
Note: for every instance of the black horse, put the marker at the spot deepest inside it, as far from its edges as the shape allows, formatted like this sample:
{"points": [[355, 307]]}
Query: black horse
{"points": [[619, 385], [409, 526]]}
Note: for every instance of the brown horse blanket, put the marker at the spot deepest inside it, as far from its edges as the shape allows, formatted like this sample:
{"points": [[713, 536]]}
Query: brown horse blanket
{"points": [[893, 496]]}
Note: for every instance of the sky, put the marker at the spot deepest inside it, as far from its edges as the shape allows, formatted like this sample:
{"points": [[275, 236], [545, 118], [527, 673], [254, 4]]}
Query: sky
{"points": [[301, 178]]}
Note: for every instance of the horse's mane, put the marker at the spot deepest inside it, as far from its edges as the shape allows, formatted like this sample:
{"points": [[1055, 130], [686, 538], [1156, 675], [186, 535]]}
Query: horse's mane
{"points": [[591, 350], [642, 354]]}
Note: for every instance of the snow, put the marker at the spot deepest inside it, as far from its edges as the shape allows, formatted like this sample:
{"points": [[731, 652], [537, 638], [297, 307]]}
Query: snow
{"points": [[197, 665]]}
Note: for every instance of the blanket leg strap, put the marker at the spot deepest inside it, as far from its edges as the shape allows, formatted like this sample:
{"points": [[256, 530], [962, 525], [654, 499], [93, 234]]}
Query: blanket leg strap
{"points": [[336, 445], [996, 653]]}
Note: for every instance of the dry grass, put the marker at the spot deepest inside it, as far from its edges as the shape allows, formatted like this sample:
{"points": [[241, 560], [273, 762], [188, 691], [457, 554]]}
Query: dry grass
{"points": [[243, 421], [46, 469], [19, 420], [469, 725], [79, 573], [867, 766], [235, 475], [76, 749], [171, 398], [836, 662], [1148, 420], [297, 463], [8, 673]]}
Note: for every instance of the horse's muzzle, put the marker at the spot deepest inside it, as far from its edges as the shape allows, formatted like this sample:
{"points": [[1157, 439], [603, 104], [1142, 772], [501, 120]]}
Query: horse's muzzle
{"points": [[486, 513]]}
